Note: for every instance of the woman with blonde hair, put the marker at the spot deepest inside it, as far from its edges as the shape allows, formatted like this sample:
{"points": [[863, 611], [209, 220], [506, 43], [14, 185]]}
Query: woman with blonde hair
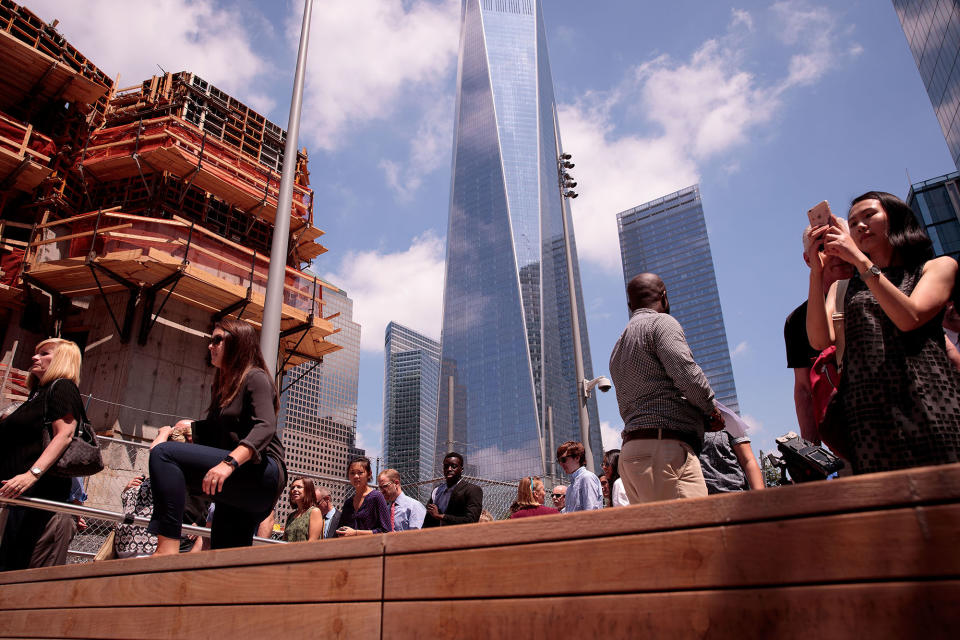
{"points": [[235, 456], [24, 462], [530, 497]]}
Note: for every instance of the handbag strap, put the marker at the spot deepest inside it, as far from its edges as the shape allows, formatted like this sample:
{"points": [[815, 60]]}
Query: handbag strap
{"points": [[81, 419], [838, 327]]}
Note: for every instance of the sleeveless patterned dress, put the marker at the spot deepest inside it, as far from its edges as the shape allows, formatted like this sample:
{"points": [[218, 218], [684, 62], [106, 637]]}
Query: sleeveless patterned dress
{"points": [[901, 395], [297, 529]]}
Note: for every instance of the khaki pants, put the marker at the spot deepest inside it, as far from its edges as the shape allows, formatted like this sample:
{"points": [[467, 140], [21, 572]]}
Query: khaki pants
{"points": [[654, 470]]}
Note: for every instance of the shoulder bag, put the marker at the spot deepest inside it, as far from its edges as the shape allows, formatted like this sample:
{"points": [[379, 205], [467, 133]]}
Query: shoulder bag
{"points": [[82, 456]]}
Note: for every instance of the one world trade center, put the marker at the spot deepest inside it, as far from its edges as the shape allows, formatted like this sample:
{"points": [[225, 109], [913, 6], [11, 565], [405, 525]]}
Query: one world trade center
{"points": [[507, 370]]}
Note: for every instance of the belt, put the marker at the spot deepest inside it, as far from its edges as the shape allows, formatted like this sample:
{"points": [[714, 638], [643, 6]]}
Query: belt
{"points": [[647, 433]]}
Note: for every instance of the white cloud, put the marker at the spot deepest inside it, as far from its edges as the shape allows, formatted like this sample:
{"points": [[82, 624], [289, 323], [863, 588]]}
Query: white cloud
{"points": [[690, 111], [740, 349], [369, 438], [367, 57], [132, 37], [609, 436], [405, 287], [743, 17], [754, 426], [429, 150]]}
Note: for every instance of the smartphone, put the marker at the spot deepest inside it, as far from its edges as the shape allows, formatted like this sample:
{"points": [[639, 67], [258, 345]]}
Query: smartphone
{"points": [[819, 214]]}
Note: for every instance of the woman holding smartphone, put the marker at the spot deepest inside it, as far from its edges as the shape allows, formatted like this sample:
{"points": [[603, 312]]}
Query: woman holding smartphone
{"points": [[236, 456], [898, 402]]}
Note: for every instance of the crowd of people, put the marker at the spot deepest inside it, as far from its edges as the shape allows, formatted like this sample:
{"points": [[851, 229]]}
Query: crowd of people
{"points": [[876, 378]]}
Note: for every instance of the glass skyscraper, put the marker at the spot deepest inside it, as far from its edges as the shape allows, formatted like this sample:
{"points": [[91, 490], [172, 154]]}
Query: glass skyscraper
{"points": [[411, 375], [932, 28], [318, 410], [668, 237], [937, 202], [506, 338]]}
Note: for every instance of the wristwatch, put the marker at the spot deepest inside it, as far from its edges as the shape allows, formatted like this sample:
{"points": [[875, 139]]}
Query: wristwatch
{"points": [[233, 463], [873, 270], [36, 471]]}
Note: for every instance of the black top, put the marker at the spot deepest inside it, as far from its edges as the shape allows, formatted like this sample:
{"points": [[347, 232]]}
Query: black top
{"points": [[250, 419], [21, 435], [374, 514], [800, 355], [464, 507]]}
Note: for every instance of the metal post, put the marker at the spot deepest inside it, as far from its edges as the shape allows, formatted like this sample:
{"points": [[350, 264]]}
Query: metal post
{"points": [[449, 413], [270, 332], [553, 446], [575, 327]]}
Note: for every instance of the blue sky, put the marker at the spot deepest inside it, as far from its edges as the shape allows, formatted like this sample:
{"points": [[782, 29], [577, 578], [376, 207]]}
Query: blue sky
{"points": [[770, 106]]}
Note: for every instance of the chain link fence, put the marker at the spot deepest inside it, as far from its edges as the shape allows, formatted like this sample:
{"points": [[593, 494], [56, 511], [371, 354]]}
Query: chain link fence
{"points": [[125, 460]]}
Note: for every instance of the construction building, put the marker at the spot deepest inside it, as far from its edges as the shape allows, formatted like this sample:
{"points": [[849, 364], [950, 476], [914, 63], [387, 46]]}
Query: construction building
{"points": [[131, 219]]}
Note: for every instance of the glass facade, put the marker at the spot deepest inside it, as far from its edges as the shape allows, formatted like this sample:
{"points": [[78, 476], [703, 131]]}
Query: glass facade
{"points": [[668, 237], [937, 202], [506, 333], [932, 28], [318, 410], [411, 382]]}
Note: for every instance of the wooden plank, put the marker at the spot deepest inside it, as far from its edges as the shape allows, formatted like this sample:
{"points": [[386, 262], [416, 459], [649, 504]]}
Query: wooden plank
{"points": [[922, 485], [335, 549], [925, 610], [858, 547], [338, 580], [340, 621]]}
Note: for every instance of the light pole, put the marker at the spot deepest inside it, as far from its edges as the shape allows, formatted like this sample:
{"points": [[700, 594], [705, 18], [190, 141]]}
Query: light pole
{"points": [[584, 386], [270, 330]]}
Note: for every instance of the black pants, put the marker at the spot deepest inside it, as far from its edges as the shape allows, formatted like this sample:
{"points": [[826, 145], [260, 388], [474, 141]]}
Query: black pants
{"points": [[25, 525], [247, 496]]}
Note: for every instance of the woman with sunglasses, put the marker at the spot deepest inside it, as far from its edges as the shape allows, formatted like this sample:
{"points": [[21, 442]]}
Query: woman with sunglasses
{"points": [[236, 456]]}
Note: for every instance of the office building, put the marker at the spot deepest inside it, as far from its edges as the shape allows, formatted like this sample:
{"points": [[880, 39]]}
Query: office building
{"points": [[668, 236], [937, 202], [932, 28], [506, 337], [411, 375], [318, 409]]}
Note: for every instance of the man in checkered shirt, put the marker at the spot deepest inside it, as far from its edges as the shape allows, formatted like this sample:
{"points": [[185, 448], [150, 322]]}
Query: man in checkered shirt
{"points": [[664, 399]]}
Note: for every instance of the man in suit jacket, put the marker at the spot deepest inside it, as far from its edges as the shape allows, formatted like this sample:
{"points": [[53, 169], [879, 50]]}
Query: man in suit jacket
{"points": [[457, 501]]}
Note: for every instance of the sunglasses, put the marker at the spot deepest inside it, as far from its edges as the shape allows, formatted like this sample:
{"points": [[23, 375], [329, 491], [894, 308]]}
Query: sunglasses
{"points": [[216, 341], [556, 496]]}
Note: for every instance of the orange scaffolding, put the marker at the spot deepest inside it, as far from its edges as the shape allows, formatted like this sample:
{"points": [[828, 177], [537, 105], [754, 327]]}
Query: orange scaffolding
{"points": [[171, 144]]}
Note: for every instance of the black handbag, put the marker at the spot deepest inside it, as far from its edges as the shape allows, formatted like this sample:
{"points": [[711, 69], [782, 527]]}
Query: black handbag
{"points": [[82, 456]]}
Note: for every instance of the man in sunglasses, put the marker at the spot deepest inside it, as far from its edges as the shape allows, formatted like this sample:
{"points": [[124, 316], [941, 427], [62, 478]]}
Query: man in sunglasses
{"points": [[559, 497], [456, 501]]}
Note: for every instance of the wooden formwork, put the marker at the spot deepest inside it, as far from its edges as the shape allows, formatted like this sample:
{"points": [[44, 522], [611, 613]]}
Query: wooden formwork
{"points": [[172, 144], [872, 556], [39, 64], [211, 110]]}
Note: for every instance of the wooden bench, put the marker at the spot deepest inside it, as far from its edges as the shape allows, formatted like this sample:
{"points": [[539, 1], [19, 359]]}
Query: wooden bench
{"points": [[876, 556]]}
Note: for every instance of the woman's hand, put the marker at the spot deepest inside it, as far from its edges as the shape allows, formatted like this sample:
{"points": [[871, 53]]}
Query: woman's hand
{"points": [[344, 532], [186, 428], [815, 257], [15, 486], [839, 243], [215, 477]]}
